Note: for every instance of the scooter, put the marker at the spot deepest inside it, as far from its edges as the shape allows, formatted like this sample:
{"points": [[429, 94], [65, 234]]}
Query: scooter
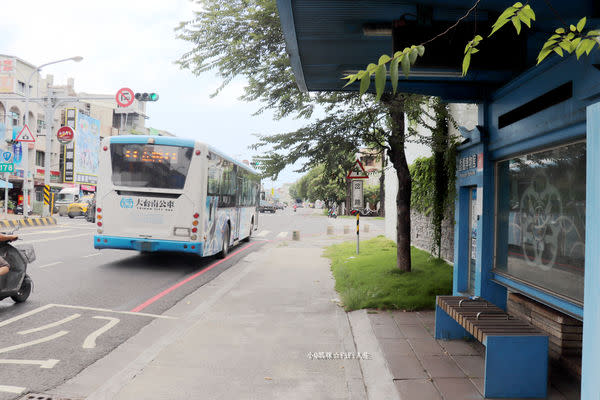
{"points": [[332, 213], [16, 284]]}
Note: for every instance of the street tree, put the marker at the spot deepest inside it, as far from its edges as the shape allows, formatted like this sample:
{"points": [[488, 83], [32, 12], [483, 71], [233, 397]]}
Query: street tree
{"points": [[243, 38]]}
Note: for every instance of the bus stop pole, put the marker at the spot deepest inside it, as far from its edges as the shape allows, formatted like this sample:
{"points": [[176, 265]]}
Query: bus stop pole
{"points": [[357, 231]]}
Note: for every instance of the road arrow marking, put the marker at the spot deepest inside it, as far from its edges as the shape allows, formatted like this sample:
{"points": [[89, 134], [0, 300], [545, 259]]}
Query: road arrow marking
{"points": [[90, 341], [25, 315], [262, 233], [92, 255], [12, 389], [50, 363], [34, 342], [282, 235], [51, 325]]}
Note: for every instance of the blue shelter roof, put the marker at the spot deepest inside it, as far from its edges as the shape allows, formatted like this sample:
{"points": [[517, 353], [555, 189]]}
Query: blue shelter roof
{"points": [[327, 39]]}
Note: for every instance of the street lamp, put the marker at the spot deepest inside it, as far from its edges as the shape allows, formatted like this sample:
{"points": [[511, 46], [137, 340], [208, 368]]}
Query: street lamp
{"points": [[48, 138]]}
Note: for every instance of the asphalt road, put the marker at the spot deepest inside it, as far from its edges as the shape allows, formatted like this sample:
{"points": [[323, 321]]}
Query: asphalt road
{"points": [[87, 302]]}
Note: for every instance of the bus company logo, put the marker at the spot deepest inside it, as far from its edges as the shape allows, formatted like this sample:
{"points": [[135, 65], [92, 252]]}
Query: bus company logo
{"points": [[155, 204], [126, 202]]}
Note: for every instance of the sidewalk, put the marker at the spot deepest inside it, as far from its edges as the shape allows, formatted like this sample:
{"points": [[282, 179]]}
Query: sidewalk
{"points": [[251, 335]]}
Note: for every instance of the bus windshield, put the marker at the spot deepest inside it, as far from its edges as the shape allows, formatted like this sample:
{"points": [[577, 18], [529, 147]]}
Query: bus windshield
{"points": [[150, 165]]}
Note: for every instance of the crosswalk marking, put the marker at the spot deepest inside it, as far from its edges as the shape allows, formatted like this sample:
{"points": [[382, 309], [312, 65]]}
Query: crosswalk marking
{"points": [[282, 235], [262, 233]]}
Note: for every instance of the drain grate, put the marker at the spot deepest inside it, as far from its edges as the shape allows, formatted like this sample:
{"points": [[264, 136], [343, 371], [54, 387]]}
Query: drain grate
{"points": [[42, 396]]}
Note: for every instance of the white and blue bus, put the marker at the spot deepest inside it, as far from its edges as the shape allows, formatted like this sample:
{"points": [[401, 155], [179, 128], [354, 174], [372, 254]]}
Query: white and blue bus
{"points": [[158, 193]]}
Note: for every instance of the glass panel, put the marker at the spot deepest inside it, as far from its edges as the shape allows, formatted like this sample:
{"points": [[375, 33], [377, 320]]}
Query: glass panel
{"points": [[150, 166], [472, 239], [540, 226]]}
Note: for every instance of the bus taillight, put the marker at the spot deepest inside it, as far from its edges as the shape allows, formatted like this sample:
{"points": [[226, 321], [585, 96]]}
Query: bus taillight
{"points": [[196, 216]]}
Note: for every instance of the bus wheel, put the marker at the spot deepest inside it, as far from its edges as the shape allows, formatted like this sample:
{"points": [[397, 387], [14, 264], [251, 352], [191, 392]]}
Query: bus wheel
{"points": [[225, 250]]}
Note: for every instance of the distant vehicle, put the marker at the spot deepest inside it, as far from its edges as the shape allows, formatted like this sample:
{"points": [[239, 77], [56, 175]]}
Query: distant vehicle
{"points": [[65, 197], [90, 214], [279, 206], [265, 206], [160, 193], [79, 208]]}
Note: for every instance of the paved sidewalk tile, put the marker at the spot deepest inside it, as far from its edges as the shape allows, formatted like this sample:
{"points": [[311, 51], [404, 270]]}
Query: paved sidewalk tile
{"points": [[457, 389], [387, 332], [441, 367], [421, 389], [459, 347], [405, 318], [415, 331], [395, 347], [473, 366], [406, 367], [425, 347], [381, 318]]}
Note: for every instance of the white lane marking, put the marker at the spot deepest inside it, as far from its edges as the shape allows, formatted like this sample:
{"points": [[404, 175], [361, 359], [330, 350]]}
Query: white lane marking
{"points": [[34, 342], [47, 364], [25, 315], [262, 233], [90, 341], [57, 238], [51, 264], [282, 235], [12, 389], [51, 325], [92, 255], [113, 311], [41, 232]]}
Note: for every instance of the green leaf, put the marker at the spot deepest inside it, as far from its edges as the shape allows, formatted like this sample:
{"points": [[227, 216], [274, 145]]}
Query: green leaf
{"points": [[543, 54], [573, 28], [558, 51], [352, 79], [581, 24], [421, 50], [384, 59], [525, 19], [560, 30], [580, 50], [365, 82], [518, 5], [414, 53], [527, 10], [517, 23], [394, 73], [570, 36], [380, 80], [466, 63], [371, 68], [566, 46], [405, 63], [590, 46], [593, 33], [474, 50], [503, 19], [549, 43]]}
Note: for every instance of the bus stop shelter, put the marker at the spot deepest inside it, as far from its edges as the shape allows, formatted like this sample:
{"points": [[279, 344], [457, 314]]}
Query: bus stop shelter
{"points": [[528, 190]]}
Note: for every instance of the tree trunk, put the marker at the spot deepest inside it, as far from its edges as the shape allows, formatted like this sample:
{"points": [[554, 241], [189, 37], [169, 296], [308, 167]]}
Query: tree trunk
{"points": [[398, 158]]}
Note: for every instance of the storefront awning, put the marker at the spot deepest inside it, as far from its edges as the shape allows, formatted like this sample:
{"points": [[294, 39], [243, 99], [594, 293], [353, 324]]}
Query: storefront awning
{"points": [[5, 185]]}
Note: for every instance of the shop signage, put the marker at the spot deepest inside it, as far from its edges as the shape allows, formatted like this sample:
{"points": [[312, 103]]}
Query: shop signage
{"points": [[7, 167], [470, 165], [65, 134]]}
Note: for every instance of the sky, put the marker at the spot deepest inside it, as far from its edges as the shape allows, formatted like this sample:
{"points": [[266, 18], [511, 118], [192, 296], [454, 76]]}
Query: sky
{"points": [[132, 43]]}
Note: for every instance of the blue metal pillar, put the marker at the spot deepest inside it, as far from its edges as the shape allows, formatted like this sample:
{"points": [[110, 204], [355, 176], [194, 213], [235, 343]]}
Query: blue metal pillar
{"points": [[590, 384]]}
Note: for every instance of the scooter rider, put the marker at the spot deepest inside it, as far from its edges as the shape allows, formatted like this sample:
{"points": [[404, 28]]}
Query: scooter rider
{"points": [[4, 266]]}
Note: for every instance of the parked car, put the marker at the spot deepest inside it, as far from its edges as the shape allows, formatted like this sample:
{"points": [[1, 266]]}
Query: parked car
{"points": [[79, 207], [279, 206], [265, 206]]}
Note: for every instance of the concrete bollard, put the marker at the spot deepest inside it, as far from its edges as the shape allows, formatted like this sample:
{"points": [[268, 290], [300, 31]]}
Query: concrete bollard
{"points": [[329, 230], [366, 228], [346, 229], [295, 235]]}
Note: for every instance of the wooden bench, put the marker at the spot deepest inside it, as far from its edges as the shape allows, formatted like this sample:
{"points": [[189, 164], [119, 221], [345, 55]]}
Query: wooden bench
{"points": [[516, 353]]}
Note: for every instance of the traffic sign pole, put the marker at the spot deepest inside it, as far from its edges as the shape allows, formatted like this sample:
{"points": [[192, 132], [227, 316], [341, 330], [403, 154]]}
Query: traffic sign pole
{"points": [[357, 231]]}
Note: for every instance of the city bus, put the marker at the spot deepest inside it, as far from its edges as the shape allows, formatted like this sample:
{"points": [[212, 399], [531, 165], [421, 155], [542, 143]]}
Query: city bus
{"points": [[158, 193]]}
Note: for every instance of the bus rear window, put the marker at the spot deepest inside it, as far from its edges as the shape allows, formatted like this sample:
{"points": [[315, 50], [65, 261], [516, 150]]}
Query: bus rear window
{"points": [[150, 165]]}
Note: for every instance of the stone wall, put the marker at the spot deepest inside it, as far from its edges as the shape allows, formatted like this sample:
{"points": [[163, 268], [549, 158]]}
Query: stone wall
{"points": [[422, 234]]}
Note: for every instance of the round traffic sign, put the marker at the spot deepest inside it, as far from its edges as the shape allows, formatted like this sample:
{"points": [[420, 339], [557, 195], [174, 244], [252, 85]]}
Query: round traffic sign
{"points": [[125, 97], [65, 134]]}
